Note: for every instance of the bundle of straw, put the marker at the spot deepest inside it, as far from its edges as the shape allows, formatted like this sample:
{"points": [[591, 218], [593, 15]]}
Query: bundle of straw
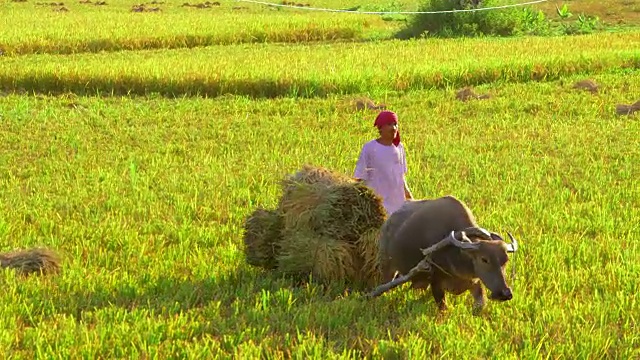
{"points": [[331, 204], [326, 259], [367, 248], [329, 227], [262, 237]]}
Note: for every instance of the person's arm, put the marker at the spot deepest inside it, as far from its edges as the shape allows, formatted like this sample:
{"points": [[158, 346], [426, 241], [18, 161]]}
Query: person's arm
{"points": [[361, 166], [407, 192]]}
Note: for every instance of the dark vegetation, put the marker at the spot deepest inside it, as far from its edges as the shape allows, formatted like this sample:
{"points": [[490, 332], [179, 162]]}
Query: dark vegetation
{"points": [[511, 21]]}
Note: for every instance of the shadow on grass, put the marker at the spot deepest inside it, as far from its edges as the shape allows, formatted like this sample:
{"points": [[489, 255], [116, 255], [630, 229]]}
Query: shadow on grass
{"points": [[247, 305], [260, 296]]}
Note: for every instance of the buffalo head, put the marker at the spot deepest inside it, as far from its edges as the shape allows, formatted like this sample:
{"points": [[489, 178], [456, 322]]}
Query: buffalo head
{"points": [[489, 255]]}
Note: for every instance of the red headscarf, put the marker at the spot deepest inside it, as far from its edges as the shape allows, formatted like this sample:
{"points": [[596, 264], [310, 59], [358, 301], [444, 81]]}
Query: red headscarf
{"points": [[387, 117]]}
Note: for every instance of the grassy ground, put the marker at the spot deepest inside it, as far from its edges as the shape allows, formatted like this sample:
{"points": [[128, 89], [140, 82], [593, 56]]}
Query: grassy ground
{"points": [[145, 194], [146, 200]]}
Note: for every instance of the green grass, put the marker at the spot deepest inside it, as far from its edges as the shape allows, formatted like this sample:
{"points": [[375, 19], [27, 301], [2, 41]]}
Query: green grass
{"points": [[146, 197], [268, 70]]}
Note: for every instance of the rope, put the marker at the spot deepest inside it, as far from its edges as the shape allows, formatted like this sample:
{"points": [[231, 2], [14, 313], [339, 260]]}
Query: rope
{"points": [[392, 12], [513, 268]]}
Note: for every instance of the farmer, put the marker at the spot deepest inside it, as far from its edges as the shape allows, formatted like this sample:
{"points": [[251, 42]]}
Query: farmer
{"points": [[382, 163]]}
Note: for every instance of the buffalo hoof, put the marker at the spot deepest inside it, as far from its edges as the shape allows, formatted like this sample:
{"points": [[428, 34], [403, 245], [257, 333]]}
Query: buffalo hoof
{"points": [[442, 307]]}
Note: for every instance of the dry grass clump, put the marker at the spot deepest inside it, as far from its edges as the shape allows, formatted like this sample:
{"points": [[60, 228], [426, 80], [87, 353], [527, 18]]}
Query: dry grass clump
{"points": [[624, 109], [586, 85], [328, 228], [31, 261], [467, 93], [368, 104]]}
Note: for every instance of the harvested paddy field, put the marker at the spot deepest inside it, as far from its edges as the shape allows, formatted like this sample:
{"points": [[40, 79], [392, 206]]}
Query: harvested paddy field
{"points": [[135, 144]]}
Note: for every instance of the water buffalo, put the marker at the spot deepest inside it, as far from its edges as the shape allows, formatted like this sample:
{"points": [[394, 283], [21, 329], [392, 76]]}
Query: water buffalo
{"points": [[465, 257]]}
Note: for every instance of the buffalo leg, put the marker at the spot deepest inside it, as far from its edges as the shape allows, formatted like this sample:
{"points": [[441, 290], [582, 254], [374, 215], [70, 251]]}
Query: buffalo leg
{"points": [[387, 273], [477, 292], [438, 295]]}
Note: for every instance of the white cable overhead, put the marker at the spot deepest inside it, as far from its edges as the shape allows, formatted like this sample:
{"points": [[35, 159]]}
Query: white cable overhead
{"points": [[391, 12]]}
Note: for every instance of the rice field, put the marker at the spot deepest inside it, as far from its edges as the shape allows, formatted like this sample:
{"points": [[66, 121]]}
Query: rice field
{"points": [[318, 70], [95, 26], [138, 163]]}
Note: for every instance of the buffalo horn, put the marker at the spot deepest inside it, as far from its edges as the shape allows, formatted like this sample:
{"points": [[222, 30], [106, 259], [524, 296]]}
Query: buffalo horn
{"points": [[478, 232], [465, 243], [513, 247]]}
